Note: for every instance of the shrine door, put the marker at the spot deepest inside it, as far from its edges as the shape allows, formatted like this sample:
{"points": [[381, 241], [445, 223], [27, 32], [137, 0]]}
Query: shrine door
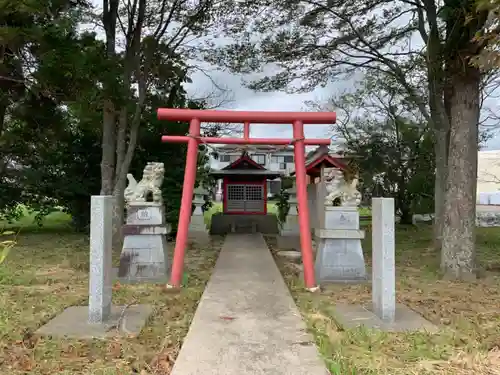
{"points": [[244, 198]]}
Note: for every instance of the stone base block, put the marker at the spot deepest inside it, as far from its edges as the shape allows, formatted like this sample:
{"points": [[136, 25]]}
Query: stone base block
{"points": [[144, 258], [197, 224], [291, 255], [73, 323], [199, 237], [289, 242], [352, 316], [340, 261]]}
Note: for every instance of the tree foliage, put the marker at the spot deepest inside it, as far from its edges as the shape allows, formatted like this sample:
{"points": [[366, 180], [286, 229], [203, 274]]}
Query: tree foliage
{"points": [[390, 143], [53, 94], [312, 43]]}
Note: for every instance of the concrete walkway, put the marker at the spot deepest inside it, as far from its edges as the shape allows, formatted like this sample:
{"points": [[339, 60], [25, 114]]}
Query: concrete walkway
{"points": [[247, 322]]}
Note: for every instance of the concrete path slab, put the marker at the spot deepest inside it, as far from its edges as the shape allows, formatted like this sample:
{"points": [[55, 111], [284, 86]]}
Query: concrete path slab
{"points": [[406, 320], [247, 322], [73, 323]]}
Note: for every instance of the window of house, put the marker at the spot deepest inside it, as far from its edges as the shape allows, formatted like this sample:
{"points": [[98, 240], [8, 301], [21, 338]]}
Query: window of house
{"points": [[233, 158], [282, 159], [224, 158], [278, 159], [259, 159], [282, 165]]}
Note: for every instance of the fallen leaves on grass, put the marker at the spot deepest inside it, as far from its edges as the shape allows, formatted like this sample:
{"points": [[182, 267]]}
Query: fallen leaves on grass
{"points": [[48, 273], [466, 363], [466, 313]]}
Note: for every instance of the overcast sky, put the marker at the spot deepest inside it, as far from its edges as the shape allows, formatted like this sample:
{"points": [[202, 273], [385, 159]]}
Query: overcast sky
{"points": [[245, 99]]}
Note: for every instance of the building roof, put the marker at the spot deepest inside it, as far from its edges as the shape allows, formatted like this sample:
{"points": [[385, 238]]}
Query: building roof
{"points": [[244, 166], [254, 148], [321, 157], [220, 173]]}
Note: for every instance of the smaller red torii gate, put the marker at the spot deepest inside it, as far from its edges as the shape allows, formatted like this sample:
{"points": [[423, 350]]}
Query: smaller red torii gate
{"points": [[194, 138]]}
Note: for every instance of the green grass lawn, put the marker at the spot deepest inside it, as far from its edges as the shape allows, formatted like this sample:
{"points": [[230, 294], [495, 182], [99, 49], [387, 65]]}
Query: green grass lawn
{"points": [[57, 220], [48, 271], [468, 314]]}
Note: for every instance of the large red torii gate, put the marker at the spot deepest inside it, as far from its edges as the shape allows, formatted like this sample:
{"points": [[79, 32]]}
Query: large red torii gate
{"points": [[195, 118]]}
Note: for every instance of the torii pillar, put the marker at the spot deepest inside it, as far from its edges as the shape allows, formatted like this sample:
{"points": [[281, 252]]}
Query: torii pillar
{"points": [[195, 117]]}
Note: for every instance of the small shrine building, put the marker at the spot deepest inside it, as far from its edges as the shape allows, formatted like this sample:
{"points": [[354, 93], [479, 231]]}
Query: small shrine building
{"points": [[244, 186], [322, 158]]}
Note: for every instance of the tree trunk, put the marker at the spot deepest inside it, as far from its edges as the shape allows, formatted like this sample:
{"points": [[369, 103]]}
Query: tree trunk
{"points": [[108, 148], [458, 246], [441, 157], [406, 216], [109, 18], [437, 119], [118, 216]]}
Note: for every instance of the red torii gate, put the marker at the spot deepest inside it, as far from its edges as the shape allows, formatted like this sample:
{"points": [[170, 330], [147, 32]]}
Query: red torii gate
{"points": [[195, 118]]}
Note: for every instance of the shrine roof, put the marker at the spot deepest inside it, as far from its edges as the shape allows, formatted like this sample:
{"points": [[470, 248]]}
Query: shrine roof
{"points": [[245, 166], [220, 173], [321, 157], [245, 162]]}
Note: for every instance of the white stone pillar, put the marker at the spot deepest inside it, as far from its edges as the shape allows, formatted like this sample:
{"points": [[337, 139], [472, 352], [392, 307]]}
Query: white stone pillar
{"points": [[100, 278], [383, 262]]}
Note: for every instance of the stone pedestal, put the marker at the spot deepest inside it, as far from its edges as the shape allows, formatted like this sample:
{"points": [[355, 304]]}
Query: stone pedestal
{"points": [[383, 259], [290, 231], [339, 256], [144, 255]]}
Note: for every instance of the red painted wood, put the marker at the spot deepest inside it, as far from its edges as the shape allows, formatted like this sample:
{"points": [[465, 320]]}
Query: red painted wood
{"points": [[186, 204], [303, 209], [260, 117], [250, 141]]}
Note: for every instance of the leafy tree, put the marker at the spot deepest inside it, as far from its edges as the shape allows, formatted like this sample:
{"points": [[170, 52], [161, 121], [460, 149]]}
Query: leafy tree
{"points": [[395, 158], [331, 39], [35, 34], [489, 58], [390, 142], [50, 135], [158, 36]]}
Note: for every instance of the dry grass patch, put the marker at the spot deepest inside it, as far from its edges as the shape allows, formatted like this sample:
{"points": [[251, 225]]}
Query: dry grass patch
{"points": [[48, 272], [468, 314]]}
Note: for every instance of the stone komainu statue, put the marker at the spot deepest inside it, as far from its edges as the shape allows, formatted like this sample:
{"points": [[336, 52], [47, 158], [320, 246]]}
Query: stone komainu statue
{"points": [[339, 190], [149, 188]]}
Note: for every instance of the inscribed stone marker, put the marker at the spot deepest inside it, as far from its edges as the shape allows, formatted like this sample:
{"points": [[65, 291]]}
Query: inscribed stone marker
{"points": [[383, 263], [100, 278]]}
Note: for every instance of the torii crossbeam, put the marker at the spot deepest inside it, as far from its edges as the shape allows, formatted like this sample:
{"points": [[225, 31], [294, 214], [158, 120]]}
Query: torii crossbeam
{"points": [[195, 118]]}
